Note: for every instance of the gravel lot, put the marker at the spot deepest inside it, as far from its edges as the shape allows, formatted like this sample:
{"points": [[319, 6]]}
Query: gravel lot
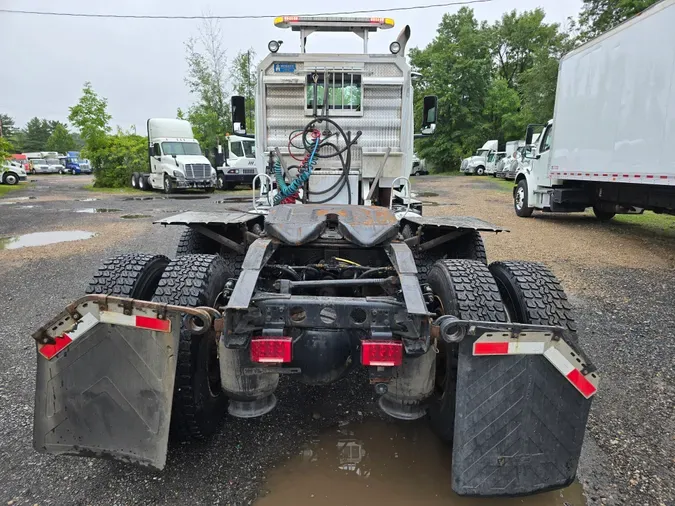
{"points": [[620, 280]]}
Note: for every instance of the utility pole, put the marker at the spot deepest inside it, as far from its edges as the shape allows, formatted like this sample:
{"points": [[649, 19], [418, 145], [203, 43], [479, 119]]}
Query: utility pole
{"points": [[0, 127]]}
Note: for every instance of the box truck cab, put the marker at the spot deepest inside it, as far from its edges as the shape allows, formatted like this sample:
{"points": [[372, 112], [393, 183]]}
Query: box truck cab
{"points": [[476, 164], [176, 160], [11, 172], [37, 164], [238, 165]]}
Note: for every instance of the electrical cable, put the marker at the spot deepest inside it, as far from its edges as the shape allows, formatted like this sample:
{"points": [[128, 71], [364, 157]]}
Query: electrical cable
{"points": [[235, 16]]}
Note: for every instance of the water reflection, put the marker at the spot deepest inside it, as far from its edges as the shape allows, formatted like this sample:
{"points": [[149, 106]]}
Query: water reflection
{"points": [[380, 462]]}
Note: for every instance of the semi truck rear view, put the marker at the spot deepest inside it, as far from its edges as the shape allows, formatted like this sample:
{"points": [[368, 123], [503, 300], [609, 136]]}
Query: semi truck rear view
{"points": [[609, 145], [333, 269]]}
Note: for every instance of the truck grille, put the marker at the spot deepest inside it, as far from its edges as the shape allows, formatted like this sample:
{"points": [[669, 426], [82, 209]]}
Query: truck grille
{"points": [[464, 164], [249, 171], [197, 171]]}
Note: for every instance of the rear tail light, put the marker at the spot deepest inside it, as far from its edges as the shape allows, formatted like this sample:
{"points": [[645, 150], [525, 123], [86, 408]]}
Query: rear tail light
{"points": [[381, 353], [271, 350]]}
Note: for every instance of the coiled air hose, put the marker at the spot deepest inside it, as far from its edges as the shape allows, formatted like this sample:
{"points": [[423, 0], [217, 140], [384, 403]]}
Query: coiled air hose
{"points": [[313, 153], [287, 190]]}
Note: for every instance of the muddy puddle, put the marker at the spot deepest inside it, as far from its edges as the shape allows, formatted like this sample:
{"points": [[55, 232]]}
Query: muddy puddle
{"points": [[90, 199], [234, 200], [43, 238], [380, 462], [172, 197], [97, 210], [135, 216]]}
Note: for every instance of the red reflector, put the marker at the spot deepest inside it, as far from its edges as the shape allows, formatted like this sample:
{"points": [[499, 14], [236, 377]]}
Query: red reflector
{"points": [[50, 350], [153, 323], [583, 385], [271, 350], [491, 348], [381, 353]]}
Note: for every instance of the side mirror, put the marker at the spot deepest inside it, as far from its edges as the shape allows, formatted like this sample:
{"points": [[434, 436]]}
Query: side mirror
{"points": [[239, 115], [429, 116], [529, 134]]}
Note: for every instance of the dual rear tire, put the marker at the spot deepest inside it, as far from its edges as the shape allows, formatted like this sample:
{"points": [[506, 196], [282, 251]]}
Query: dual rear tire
{"points": [[199, 403], [521, 292]]}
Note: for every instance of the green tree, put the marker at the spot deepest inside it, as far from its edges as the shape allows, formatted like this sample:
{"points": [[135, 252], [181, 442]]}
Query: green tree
{"points": [[599, 16], [60, 140], [456, 67], [502, 112], [537, 89], [518, 38], [36, 134], [244, 82], [90, 116], [6, 148], [207, 80], [119, 156], [8, 127]]}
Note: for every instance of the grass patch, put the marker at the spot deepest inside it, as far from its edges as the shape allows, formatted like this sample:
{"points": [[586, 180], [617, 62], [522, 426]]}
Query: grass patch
{"points": [[5, 188], [502, 184], [661, 224], [452, 173]]}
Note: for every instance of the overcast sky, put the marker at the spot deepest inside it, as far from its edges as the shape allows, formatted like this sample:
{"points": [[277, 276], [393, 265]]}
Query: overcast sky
{"points": [[139, 65]]}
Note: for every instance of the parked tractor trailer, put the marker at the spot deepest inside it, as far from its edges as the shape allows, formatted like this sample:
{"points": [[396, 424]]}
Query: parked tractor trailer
{"points": [[608, 144], [332, 268]]}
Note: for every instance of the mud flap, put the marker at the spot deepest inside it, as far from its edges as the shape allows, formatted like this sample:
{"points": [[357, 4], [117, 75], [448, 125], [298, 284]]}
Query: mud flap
{"points": [[108, 392], [519, 425]]}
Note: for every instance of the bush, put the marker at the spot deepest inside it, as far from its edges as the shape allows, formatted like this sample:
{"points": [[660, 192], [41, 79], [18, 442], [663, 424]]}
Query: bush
{"points": [[116, 157]]}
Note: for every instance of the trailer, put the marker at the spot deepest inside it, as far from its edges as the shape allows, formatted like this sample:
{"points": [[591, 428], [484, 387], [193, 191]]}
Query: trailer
{"points": [[331, 268], [175, 159], [608, 144]]}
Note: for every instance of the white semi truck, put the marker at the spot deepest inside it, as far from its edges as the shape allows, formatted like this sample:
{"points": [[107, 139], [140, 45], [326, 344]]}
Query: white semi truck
{"points": [[476, 164], [608, 146], [336, 272], [237, 165], [176, 160]]}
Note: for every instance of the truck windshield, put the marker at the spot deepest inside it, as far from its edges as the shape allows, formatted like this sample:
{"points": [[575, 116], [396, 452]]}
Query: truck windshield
{"points": [[482, 152], [181, 148], [249, 149], [53, 161], [73, 160], [38, 161]]}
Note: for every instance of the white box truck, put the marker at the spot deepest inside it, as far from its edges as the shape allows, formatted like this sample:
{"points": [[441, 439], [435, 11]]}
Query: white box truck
{"points": [[608, 146], [176, 160]]}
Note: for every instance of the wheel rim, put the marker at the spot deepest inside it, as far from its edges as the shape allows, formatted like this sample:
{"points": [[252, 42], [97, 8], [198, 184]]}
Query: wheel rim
{"points": [[167, 185], [520, 197], [220, 183], [11, 180], [141, 184]]}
